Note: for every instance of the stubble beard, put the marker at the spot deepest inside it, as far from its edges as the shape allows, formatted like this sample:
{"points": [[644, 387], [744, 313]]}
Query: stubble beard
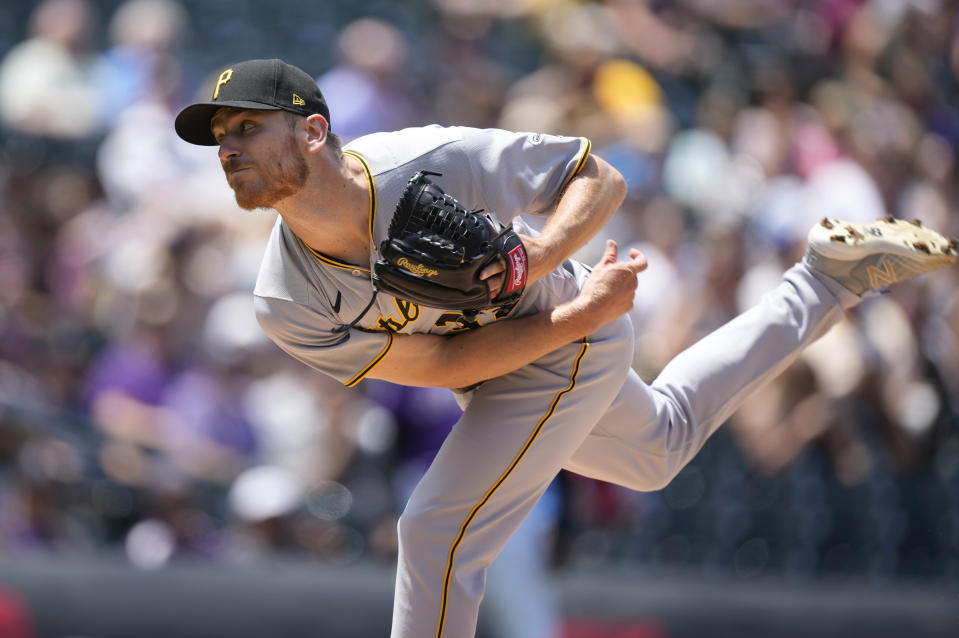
{"points": [[285, 179]]}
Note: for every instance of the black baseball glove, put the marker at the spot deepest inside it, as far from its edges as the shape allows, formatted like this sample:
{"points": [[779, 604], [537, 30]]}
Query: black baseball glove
{"points": [[436, 249]]}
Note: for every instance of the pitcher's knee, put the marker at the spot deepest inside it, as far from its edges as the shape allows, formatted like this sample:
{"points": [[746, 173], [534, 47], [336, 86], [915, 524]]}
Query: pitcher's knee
{"points": [[649, 479], [659, 481], [411, 525], [423, 526]]}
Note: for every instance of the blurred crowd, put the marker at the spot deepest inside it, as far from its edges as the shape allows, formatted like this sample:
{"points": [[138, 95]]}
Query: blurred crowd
{"points": [[143, 413]]}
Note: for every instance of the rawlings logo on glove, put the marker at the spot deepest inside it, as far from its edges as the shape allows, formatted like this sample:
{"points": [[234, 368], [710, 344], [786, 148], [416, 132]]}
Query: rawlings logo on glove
{"points": [[436, 248], [517, 261], [417, 269]]}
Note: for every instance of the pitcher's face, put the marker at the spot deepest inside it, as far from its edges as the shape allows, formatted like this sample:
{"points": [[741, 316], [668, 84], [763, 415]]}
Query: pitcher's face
{"points": [[259, 155]]}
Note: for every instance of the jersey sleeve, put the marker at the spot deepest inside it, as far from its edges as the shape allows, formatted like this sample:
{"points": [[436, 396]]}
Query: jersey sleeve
{"points": [[310, 337], [522, 172]]}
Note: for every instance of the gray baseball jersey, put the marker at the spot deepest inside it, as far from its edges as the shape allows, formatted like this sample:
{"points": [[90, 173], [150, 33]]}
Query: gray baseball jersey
{"points": [[580, 407], [304, 298]]}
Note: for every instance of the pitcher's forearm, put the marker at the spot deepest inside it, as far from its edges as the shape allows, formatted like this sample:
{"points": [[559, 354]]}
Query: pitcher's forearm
{"points": [[462, 359], [465, 358], [588, 202]]}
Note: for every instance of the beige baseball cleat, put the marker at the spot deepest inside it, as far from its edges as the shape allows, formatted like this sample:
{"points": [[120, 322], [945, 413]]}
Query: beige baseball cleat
{"points": [[865, 257]]}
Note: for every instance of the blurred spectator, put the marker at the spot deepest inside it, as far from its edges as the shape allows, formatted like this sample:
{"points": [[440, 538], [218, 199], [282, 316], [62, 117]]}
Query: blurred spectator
{"points": [[369, 89], [34, 522], [467, 87], [262, 499], [660, 302], [176, 527], [46, 82], [144, 35], [140, 79]]}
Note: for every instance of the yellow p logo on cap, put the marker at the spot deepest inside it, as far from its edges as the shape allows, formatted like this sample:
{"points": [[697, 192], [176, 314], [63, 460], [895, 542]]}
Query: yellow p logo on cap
{"points": [[224, 78]]}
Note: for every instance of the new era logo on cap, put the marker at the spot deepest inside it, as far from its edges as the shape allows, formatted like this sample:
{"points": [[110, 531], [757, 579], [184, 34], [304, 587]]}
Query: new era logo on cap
{"points": [[267, 85]]}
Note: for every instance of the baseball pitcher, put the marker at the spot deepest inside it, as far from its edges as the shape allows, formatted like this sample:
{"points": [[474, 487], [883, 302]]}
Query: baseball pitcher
{"points": [[403, 257]]}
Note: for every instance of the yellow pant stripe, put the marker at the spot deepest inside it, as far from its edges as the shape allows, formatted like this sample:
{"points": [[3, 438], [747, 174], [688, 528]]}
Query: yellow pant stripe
{"points": [[492, 490]]}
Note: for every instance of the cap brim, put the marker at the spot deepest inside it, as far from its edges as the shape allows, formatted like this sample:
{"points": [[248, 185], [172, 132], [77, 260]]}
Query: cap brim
{"points": [[193, 122]]}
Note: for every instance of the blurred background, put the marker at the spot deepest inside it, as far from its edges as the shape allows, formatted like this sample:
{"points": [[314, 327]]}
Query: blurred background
{"points": [[164, 470]]}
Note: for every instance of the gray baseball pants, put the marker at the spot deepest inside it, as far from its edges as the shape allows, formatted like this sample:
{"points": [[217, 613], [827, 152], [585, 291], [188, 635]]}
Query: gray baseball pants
{"points": [[583, 409]]}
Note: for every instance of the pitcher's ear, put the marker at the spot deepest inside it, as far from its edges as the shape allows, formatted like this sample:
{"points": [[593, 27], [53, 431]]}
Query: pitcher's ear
{"points": [[317, 129]]}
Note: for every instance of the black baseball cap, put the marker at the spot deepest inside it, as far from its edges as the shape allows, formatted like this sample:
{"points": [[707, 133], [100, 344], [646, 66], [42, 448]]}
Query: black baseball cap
{"points": [[264, 85]]}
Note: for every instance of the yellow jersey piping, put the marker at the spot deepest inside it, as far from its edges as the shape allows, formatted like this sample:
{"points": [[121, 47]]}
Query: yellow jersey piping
{"points": [[582, 161], [369, 178], [502, 478], [365, 371], [329, 261]]}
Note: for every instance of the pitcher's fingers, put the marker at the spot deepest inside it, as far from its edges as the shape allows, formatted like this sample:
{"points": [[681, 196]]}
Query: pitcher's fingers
{"points": [[637, 261], [494, 268], [495, 284], [609, 255]]}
